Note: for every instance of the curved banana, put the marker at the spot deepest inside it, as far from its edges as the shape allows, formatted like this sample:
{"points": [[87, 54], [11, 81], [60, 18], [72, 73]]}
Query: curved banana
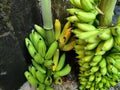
{"points": [[32, 70], [40, 76], [94, 69], [66, 70], [48, 63], [31, 49], [61, 62], [48, 80], [41, 47], [86, 5], [57, 30], [31, 79], [51, 50], [103, 63], [58, 81], [55, 59], [76, 3], [38, 67], [40, 30], [91, 46], [73, 18], [91, 77], [37, 57]]}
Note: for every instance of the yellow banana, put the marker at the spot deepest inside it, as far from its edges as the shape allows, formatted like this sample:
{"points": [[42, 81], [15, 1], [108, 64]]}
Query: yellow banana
{"points": [[51, 50], [40, 30], [66, 70], [86, 5], [57, 31], [61, 62], [55, 59]]}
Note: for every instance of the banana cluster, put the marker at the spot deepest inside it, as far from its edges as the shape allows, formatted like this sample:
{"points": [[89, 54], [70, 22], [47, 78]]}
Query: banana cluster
{"points": [[64, 36], [48, 65], [97, 48]]}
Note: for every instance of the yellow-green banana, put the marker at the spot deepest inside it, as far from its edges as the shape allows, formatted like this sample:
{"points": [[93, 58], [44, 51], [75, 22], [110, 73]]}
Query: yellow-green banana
{"points": [[58, 80]]}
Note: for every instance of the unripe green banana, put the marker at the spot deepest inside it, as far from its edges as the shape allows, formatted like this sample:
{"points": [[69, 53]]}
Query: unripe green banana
{"points": [[76, 3], [98, 78], [85, 16], [48, 63], [49, 88], [40, 76], [92, 39], [66, 70], [115, 30], [32, 51], [88, 85], [87, 58], [94, 69], [73, 10], [41, 47], [91, 77], [105, 34], [100, 85], [58, 81], [61, 62], [103, 70], [73, 18], [32, 70], [48, 80], [88, 34], [31, 79], [37, 57], [113, 83], [51, 50], [103, 63], [40, 86], [40, 30], [38, 67], [55, 59], [85, 26], [35, 37], [91, 46], [86, 5]]}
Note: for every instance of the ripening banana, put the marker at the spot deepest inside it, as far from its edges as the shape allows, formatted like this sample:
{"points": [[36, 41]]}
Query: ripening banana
{"points": [[51, 50], [61, 62], [58, 29], [64, 71], [33, 81], [86, 5], [40, 30], [55, 59]]}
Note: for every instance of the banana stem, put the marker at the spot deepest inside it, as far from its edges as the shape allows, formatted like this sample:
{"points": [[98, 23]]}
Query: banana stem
{"points": [[47, 20], [107, 7]]}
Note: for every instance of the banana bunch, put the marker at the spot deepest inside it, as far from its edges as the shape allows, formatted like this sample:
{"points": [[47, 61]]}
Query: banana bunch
{"points": [[64, 36], [97, 48], [48, 65]]}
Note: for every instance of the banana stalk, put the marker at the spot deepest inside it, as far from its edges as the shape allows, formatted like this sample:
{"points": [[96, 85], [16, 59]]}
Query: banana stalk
{"points": [[107, 7]]}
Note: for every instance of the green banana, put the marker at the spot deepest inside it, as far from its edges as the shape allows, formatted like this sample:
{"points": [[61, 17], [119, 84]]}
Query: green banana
{"points": [[31, 79], [40, 30], [37, 57], [85, 16], [66, 70], [40, 86], [41, 47], [32, 70], [51, 50], [103, 63], [94, 69], [91, 77], [61, 62], [48, 80], [58, 81], [49, 88], [86, 5], [105, 34], [38, 67], [40, 76], [73, 18], [76, 3], [98, 77], [73, 10], [103, 70], [85, 26], [108, 44], [91, 46], [96, 60], [87, 58], [32, 51], [48, 63], [88, 34]]}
